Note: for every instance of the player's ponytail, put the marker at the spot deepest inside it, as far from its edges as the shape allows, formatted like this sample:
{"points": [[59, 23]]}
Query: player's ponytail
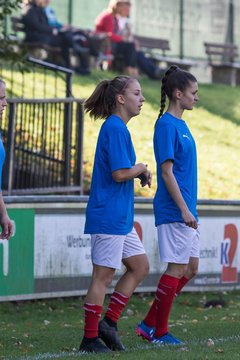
{"points": [[102, 102]]}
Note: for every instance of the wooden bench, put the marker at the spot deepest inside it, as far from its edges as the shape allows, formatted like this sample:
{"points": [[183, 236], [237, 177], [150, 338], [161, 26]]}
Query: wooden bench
{"points": [[156, 49], [222, 59], [53, 53]]}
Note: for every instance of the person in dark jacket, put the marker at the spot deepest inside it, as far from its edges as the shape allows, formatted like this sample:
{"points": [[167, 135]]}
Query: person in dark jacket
{"points": [[37, 29]]}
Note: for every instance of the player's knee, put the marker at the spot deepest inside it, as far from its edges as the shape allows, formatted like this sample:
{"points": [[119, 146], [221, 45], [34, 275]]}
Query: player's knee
{"points": [[140, 268], [105, 282], [191, 272], [102, 277], [181, 271], [108, 280], [177, 271], [143, 270]]}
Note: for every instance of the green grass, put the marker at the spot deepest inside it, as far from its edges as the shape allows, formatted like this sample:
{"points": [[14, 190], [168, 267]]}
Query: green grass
{"points": [[214, 123], [52, 329]]}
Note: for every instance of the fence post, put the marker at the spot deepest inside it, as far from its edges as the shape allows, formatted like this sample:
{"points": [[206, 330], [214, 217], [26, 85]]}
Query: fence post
{"points": [[68, 130], [80, 122], [181, 14], [70, 12], [68, 85], [230, 25], [8, 178], [67, 141]]}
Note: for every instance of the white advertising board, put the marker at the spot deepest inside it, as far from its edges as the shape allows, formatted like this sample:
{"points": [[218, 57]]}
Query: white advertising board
{"points": [[62, 250]]}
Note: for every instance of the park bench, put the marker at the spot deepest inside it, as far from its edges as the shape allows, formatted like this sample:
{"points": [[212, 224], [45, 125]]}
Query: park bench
{"points": [[156, 49], [222, 59], [53, 53]]}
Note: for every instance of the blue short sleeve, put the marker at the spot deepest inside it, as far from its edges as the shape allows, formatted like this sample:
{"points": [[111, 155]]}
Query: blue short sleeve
{"points": [[110, 208], [118, 150], [164, 143], [173, 141], [2, 158]]}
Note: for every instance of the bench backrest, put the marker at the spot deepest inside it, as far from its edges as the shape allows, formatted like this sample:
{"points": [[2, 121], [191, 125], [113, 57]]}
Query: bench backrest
{"points": [[153, 43], [16, 24], [221, 53]]}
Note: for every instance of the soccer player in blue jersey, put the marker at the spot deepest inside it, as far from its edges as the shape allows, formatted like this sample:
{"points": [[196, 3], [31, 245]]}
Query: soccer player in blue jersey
{"points": [[109, 213], [175, 201], [5, 222]]}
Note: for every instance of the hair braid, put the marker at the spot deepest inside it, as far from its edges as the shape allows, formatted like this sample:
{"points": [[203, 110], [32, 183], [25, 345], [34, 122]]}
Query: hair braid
{"points": [[163, 98], [172, 69]]}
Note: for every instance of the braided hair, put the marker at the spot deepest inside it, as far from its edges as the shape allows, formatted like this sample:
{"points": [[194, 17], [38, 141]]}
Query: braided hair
{"points": [[174, 78]]}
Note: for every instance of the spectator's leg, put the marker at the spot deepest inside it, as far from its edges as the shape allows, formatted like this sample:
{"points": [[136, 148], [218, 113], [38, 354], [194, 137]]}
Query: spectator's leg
{"points": [[66, 41], [148, 67], [127, 52], [59, 41], [83, 69]]}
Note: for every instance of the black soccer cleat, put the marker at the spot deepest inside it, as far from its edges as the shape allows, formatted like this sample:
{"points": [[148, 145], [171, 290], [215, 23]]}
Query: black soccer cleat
{"points": [[93, 346], [109, 335]]}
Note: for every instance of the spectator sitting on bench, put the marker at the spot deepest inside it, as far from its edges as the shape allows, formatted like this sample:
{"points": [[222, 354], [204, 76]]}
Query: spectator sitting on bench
{"points": [[83, 39], [38, 30], [107, 23], [123, 43]]}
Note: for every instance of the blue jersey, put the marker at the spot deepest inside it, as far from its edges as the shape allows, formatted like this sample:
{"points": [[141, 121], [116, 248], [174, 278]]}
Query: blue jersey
{"points": [[173, 141], [111, 204], [2, 158]]}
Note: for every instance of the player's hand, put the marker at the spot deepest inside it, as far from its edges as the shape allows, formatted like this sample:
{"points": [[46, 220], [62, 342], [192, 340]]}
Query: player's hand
{"points": [[149, 181], [145, 178], [189, 219], [66, 28], [7, 227]]}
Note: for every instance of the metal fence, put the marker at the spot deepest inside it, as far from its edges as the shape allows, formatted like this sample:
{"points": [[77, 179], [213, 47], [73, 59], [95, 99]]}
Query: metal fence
{"points": [[37, 79], [42, 130], [43, 141]]}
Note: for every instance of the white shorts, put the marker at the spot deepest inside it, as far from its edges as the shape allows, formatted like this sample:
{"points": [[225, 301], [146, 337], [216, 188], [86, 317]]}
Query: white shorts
{"points": [[109, 250], [178, 242]]}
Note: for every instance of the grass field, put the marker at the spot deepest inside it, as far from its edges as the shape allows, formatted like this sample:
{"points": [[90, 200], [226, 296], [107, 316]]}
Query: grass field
{"points": [[52, 329], [214, 123]]}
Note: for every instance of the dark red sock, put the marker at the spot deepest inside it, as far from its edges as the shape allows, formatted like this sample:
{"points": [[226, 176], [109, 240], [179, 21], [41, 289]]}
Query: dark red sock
{"points": [[181, 284], [164, 298], [116, 305], [150, 318], [92, 315]]}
